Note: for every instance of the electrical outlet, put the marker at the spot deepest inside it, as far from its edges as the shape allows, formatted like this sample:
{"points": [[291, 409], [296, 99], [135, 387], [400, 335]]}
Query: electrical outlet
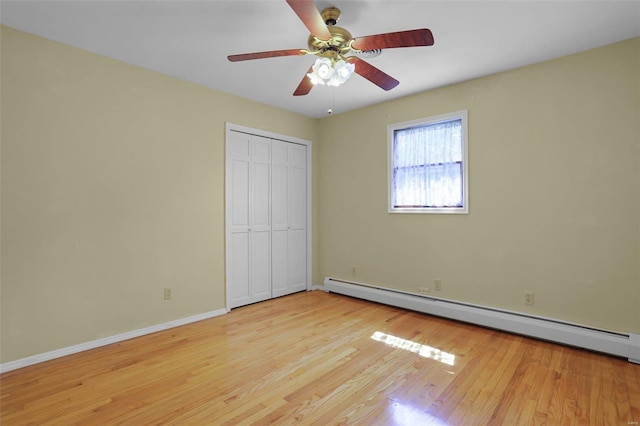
{"points": [[528, 298], [167, 293], [353, 271], [423, 290], [437, 285]]}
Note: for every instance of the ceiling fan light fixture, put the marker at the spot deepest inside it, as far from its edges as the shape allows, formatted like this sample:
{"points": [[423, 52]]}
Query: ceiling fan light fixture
{"points": [[325, 71], [342, 70], [321, 71]]}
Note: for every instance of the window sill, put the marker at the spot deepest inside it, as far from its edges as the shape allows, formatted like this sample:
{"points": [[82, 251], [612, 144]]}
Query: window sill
{"points": [[435, 210]]}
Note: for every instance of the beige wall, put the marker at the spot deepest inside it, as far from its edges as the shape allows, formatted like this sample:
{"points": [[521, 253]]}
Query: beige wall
{"points": [[112, 188], [554, 165]]}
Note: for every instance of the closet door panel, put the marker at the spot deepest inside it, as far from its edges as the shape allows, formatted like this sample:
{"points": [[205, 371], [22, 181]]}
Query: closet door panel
{"points": [[297, 260], [298, 218], [289, 218], [279, 255], [239, 274], [260, 213], [280, 218], [280, 197], [260, 210], [239, 165], [260, 266], [249, 184], [298, 198], [240, 193]]}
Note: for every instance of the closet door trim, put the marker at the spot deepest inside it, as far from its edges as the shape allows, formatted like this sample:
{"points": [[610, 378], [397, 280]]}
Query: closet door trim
{"points": [[230, 127]]}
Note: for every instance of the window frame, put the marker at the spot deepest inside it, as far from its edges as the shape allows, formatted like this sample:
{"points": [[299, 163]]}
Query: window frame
{"points": [[392, 128]]}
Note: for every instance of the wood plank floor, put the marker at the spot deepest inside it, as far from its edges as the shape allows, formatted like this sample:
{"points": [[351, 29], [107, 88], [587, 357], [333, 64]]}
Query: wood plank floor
{"points": [[325, 359]]}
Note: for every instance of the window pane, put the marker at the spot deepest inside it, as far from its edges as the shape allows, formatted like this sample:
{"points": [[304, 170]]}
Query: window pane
{"points": [[432, 144], [427, 166], [433, 186]]}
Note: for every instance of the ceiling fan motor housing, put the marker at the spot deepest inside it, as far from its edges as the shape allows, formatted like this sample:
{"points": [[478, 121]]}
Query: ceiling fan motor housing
{"points": [[330, 15], [338, 44]]}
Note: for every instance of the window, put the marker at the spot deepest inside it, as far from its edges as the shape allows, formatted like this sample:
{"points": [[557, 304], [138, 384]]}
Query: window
{"points": [[428, 165]]}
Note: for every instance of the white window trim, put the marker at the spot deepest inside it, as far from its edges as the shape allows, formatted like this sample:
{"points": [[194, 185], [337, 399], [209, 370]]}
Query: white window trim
{"points": [[391, 128]]}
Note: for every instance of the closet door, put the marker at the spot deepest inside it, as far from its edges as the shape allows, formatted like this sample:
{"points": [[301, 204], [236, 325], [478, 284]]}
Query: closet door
{"points": [[249, 216], [289, 228]]}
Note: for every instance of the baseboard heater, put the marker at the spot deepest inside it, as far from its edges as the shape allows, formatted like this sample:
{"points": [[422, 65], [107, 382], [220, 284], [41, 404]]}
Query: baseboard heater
{"points": [[618, 344]]}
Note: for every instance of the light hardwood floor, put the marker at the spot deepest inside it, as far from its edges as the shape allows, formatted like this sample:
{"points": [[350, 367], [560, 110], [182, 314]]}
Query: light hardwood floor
{"points": [[310, 358]]}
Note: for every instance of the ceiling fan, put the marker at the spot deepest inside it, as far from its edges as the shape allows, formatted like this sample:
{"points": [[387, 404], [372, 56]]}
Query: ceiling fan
{"points": [[336, 49]]}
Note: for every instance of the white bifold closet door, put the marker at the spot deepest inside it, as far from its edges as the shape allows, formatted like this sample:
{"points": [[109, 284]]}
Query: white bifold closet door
{"points": [[250, 227], [266, 218], [289, 231]]}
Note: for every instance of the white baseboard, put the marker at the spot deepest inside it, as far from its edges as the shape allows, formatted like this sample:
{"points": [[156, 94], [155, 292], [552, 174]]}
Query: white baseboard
{"points": [[34, 359], [618, 344]]}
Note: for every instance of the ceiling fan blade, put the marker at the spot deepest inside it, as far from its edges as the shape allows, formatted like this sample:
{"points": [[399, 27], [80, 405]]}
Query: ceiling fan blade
{"points": [[373, 74], [305, 85], [310, 17], [422, 37], [262, 55]]}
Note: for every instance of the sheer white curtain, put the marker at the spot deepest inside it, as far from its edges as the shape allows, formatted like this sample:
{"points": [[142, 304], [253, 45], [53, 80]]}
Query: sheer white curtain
{"points": [[427, 166]]}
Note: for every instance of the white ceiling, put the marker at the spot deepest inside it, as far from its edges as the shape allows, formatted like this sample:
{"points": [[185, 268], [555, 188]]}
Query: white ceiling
{"points": [[190, 40]]}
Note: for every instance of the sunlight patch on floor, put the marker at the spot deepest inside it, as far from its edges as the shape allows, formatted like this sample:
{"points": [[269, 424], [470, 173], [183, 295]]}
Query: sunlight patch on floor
{"points": [[408, 345], [404, 415]]}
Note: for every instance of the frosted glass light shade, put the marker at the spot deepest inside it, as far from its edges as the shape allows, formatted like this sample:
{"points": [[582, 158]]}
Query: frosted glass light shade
{"points": [[341, 72], [324, 71]]}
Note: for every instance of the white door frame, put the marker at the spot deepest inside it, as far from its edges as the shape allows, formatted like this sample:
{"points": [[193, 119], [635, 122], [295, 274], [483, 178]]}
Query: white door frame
{"points": [[242, 129]]}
